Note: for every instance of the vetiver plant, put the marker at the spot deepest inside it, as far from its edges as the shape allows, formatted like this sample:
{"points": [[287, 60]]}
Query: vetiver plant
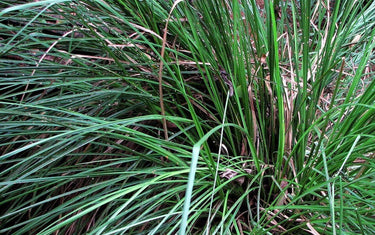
{"points": [[189, 117]]}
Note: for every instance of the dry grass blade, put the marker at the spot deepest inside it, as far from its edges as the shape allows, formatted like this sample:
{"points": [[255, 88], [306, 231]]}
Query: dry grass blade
{"points": [[161, 70]]}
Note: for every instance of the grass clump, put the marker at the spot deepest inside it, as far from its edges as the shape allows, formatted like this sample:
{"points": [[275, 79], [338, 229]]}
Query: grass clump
{"points": [[190, 117]]}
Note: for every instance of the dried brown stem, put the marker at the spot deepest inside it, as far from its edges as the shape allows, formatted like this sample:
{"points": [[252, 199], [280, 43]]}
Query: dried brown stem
{"points": [[161, 71]]}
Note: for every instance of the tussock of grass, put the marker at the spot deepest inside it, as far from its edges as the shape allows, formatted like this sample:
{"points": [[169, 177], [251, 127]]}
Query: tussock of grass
{"points": [[190, 117]]}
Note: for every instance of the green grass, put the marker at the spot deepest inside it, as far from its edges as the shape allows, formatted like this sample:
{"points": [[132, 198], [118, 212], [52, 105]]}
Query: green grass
{"points": [[189, 117]]}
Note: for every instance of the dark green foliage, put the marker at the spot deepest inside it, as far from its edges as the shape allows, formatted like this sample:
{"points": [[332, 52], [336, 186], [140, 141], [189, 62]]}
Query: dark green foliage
{"points": [[269, 111]]}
